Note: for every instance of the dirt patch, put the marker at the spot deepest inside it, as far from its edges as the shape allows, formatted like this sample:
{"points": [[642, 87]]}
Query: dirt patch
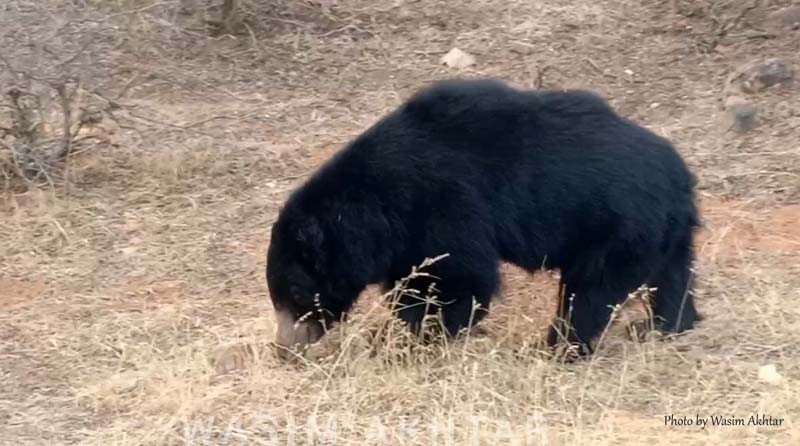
{"points": [[16, 293], [735, 226], [145, 295], [319, 157]]}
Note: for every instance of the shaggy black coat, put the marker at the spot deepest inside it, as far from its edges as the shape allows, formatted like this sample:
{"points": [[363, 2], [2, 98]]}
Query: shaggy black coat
{"points": [[487, 173]]}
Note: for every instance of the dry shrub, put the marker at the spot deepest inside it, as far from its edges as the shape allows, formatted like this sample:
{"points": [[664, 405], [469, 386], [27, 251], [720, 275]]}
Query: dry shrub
{"points": [[47, 124], [53, 91]]}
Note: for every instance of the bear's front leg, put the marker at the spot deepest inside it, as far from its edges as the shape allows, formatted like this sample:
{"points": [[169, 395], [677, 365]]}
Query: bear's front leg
{"points": [[461, 298]]}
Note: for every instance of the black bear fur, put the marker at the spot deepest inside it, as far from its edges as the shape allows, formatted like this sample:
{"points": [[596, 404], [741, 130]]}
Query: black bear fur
{"points": [[484, 173]]}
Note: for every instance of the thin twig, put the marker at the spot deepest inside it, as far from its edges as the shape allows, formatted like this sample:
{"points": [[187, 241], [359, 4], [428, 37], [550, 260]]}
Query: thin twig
{"points": [[66, 130], [539, 82], [732, 24], [594, 65], [15, 162]]}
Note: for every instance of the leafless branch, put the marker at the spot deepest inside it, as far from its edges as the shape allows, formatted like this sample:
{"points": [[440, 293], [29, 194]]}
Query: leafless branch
{"points": [[729, 25]]}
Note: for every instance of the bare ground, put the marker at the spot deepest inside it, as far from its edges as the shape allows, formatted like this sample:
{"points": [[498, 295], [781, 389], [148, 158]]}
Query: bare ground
{"points": [[133, 308]]}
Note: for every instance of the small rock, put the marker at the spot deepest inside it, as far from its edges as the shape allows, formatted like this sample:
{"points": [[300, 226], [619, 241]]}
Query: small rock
{"points": [[458, 59], [232, 358], [769, 374], [741, 113], [784, 110], [764, 75], [784, 19], [128, 250], [523, 48]]}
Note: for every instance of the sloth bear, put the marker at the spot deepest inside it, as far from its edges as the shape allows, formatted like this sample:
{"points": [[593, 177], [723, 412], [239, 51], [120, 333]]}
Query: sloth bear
{"points": [[484, 173]]}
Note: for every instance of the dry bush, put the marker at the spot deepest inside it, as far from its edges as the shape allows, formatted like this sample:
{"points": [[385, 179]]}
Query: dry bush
{"points": [[722, 22], [47, 121], [54, 80], [94, 61]]}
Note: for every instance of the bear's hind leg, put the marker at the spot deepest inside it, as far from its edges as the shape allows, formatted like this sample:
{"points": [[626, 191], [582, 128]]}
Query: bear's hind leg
{"points": [[673, 303]]}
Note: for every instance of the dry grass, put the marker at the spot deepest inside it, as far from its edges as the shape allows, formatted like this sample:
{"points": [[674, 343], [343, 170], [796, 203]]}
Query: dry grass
{"points": [[133, 308]]}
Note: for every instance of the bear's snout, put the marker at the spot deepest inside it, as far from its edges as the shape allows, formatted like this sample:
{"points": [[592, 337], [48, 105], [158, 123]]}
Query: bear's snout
{"points": [[292, 336]]}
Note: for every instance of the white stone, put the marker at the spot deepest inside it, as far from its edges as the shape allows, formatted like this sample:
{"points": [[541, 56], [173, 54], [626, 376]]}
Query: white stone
{"points": [[458, 59]]}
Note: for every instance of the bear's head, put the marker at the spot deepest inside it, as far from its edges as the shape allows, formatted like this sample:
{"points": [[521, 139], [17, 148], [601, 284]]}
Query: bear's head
{"points": [[302, 281]]}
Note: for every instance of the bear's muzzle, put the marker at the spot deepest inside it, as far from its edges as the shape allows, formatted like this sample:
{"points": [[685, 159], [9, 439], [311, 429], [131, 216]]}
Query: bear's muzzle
{"points": [[292, 336]]}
